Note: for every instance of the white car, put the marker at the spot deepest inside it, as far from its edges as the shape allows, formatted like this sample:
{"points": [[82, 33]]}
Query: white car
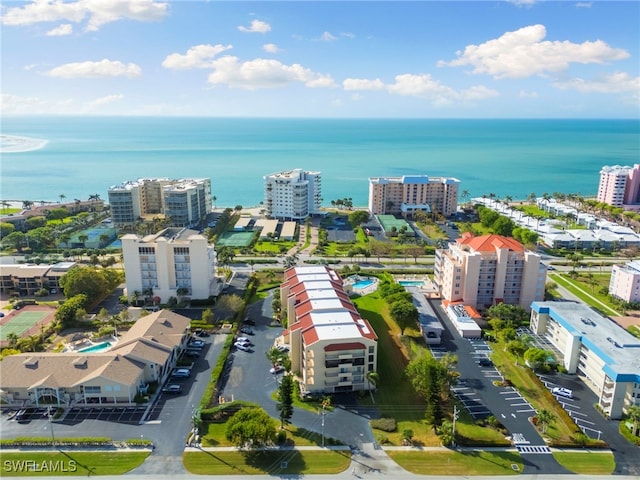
{"points": [[242, 346], [243, 340], [562, 392], [181, 373], [276, 369]]}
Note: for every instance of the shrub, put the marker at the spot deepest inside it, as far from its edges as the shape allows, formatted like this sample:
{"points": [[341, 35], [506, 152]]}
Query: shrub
{"points": [[385, 424]]}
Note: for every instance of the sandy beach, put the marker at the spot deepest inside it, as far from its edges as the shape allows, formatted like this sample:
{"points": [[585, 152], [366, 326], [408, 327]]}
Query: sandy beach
{"points": [[15, 144]]}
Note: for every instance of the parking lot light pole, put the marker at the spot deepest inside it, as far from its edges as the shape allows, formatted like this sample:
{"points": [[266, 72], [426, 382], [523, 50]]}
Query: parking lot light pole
{"points": [[53, 438], [456, 414]]}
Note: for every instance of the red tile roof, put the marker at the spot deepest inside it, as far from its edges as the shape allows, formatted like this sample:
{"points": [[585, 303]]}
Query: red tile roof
{"points": [[489, 243], [334, 347]]}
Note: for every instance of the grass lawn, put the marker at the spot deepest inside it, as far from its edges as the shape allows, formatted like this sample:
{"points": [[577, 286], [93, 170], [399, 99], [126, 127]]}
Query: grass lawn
{"points": [[267, 462], [458, 463], [586, 292], [587, 463], [71, 463]]}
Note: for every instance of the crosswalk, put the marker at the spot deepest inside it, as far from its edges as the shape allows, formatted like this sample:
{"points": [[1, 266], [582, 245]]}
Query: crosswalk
{"points": [[539, 449]]}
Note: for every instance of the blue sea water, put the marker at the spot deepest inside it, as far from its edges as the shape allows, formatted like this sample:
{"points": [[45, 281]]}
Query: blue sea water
{"points": [[86, 155]]}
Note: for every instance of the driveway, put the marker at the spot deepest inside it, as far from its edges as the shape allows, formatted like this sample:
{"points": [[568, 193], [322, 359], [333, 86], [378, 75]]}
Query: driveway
{"points": [[249, 379]]}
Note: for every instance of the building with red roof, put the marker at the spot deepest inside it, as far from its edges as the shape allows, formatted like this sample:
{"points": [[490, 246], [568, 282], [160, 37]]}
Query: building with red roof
{"points": [[331, 345], [488, 270]]}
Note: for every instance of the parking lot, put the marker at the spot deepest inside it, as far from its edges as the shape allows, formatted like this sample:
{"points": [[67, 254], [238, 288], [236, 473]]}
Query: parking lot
{"points": [[130, 415]]}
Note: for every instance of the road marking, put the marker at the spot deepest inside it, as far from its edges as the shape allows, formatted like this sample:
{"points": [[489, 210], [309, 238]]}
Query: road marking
{"points": [[528, 410], [513, 398]]}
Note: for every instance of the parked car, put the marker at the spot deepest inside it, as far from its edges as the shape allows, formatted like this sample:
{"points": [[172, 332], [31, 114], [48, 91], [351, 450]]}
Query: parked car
{"points": [[202, 333], [181, 373], [243, 340], [562, 392], [247, 331], [283, 348], [276, 369], [248, 321], [195, 344], [192, 353], [242, 346], [485, 362], [173, 388]]}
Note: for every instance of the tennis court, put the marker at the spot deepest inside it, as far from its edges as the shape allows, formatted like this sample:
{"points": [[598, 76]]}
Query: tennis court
{"points": [[235, 239], [19, 322]]}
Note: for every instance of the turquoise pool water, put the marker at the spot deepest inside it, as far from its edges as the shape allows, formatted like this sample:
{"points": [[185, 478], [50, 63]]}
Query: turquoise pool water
{"points": [[363, 283], [411, 283], [100, 347]]}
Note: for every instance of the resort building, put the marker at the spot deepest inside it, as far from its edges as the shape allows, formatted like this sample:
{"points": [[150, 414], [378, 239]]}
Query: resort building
{"points": [[293, 194], [332, 347], [145, 354], [620, 186], [409, 194], [604, 355], [173, 259], [183, 203], [26, 279], [489, 270], [625, 282]]}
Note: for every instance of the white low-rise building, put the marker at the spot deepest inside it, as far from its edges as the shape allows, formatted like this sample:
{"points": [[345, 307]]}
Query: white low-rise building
{"points": [[331, 346], [604, 355], [293, 194]]}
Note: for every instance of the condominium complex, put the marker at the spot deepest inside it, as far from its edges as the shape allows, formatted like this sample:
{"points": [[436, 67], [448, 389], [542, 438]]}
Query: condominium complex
{"points": [[488, 270], [604, 355], [293, 194], [145, 354], [409, 194], [620, 186], [170, 260], [183, 202], [26, 279], [332, 347], [625, 282]]}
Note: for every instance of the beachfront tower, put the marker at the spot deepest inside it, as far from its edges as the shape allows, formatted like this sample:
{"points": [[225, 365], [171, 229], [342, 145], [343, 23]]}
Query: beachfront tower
{"points": [[183, 203], [409, 194], [293, 194]]}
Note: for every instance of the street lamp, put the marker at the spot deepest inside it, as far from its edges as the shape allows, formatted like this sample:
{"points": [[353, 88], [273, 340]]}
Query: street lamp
{"points": [[456, 414], [53, 438]]}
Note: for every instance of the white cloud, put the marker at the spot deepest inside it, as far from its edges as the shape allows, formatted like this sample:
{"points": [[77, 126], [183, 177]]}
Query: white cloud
{"points": [[200, 56], [619, 82], [98, 102], [584, 4], [263, 73], [523, 53], [257, 26], [64, 29], [523, 3], [327, 37], [97, 12], [362, 84], [17, 105], [422, 86], [103, 68], [525, 94], [347, 35], [270, 48]]}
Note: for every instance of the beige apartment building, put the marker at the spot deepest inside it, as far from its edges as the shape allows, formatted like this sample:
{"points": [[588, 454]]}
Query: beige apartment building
{"points": [[488, 270], [604, 355], [146, 353], [172, 259], [409, 194], [332, 347]]}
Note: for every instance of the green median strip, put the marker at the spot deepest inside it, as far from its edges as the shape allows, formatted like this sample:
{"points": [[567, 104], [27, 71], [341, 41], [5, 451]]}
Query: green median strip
{"points": [[469, 462]]}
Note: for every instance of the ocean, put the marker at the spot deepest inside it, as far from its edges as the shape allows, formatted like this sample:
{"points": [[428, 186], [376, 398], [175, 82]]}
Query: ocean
{"points": [[86, 155]]}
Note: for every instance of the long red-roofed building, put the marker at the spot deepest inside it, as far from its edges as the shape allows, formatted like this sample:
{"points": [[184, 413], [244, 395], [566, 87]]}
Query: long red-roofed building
{"points": [[332, 346], [488, 270]]}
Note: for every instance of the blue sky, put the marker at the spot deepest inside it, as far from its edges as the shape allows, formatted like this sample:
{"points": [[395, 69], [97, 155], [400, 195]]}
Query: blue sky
{"points": [[451, 59]]}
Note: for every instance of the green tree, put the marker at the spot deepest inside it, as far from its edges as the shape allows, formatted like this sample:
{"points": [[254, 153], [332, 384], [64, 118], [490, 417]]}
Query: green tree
{"points": [[285, 403], [12, 339], [208, 317], [6, 229], [229, 305], [358, 217], [96, 284], [251, 428], [537, 357], [633, 412], [430, 379], [405, 314], [545, 419], [446, 433], [66, 314]]}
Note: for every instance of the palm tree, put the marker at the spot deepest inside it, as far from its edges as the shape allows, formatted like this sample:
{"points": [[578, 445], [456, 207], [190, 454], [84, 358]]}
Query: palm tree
{"points": [[545, 418], [372, 378], [214, 198], [27, 204], [12, 338], [181, 292], [62, 196], [634, 415], [465, 195]]}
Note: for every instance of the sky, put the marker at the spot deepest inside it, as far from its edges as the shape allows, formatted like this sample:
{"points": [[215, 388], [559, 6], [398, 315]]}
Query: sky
{"points": [[328, 59]]}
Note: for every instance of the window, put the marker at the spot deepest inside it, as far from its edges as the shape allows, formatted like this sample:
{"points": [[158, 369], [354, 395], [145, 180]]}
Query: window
{"points": [[92, 389]]}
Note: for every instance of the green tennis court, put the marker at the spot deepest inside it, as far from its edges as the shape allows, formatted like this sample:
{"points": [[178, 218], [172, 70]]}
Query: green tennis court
{"points": [[235, 239], [22, 322]]}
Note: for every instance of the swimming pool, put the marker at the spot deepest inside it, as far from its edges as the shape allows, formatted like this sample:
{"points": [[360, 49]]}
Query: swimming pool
{"points": [[98, 347], [411, 283], [360, 284]]}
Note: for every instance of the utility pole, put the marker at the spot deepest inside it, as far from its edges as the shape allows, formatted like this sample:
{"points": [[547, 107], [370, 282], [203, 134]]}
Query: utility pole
{"points": [[456, 414], [53, 439]]}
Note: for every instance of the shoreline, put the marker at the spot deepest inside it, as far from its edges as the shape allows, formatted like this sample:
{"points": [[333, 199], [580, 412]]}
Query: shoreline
{"points": [[17, 144]]}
